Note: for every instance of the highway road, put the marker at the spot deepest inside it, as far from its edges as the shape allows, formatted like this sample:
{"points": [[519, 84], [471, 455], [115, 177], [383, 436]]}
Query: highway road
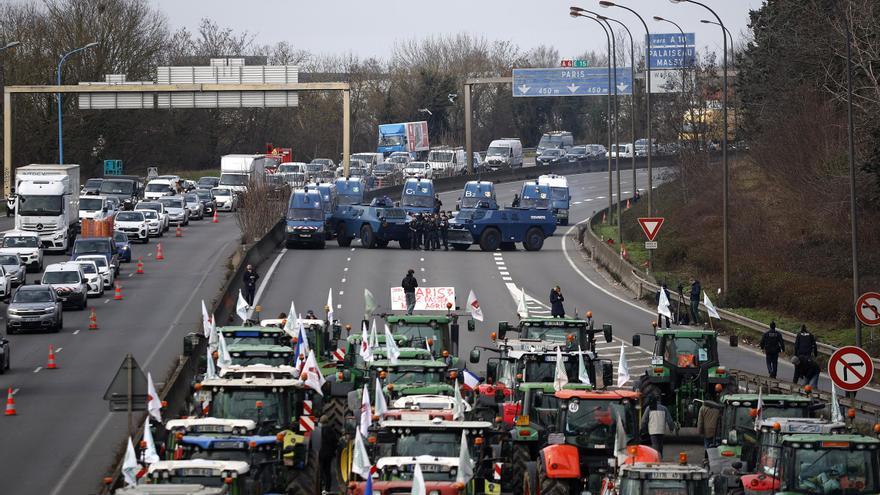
{"points": [[63, 437]]}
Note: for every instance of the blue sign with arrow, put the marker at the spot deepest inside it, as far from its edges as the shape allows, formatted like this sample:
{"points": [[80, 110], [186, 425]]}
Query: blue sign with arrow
{"points": [[567, 81]]}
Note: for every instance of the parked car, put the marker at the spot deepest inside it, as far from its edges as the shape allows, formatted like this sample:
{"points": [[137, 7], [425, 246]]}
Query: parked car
{"points": [[93, 277], [159, 188], [69, 283], [154, 223], [225, 199], [26, 245], [134, 224], [327, 163], [103, 246], [176, 208], [92, 186], [596, 150], [123, 246], [195, 206], [207, 182], [14, 267], [34, 307], [158, 208]]}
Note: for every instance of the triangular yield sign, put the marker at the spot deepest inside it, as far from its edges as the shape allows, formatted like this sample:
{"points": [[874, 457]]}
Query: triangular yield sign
{"points": [[651, 226], [118, 391]]}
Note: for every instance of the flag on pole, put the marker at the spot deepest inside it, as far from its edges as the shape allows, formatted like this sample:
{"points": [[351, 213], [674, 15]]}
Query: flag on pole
{"points": [[391, 349], [760, 409], [366, 413], [583, 374], [224, 359], [207, 321], [458, 404], [710, 308], [330, 311], [369, 482], [311, 375], [154, 405], [428, 347], [130, 466], [369, 304], [663, 305], [465, 464], [366, 351], [150, 454], [290, 324], [836, 414], [622, 369], [620, 442], [561, 378], [418, 486], [471, 380], [212, 370], [474, 306], [242, 308], [381, 405], [360, 463], [302, 342], [374, 339]]}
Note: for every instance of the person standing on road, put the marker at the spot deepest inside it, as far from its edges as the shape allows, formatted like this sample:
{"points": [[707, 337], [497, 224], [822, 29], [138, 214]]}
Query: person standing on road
{"points": [[805, 349], [414, 233], [773, 345], [409, 285], [556, 299], [707, 424], [658, 421], [696, 294], [444, 230], [250, 284], [433, 232]]}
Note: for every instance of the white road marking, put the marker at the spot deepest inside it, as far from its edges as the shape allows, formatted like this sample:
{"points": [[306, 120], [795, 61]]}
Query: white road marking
{"points": [[339, 306], [75, 332], [15, 391], [600, 197], [268, 275], [345, 269], [578, 202], [588, 200], [422, 268], [424, 281], [341, 292], [106, 301], [348, 259], [343, 281], [507, 279], [499, 262], [130, 274], [38, 369], [421, 259], [352, 249], [504, 273], [59, 349]]}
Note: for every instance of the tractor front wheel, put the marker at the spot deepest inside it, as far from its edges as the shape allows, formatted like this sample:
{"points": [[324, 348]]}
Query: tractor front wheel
{"points": [[551, 486], [306, 481], [515, 475]]}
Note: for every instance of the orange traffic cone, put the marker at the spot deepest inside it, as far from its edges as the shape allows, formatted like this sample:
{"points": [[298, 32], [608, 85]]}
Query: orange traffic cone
{"points": [[118, 292], [178, 232], [140, 267], [10, 403], [627, 204], [160, 253], [51, 364], [216, 218], [93, 320]]}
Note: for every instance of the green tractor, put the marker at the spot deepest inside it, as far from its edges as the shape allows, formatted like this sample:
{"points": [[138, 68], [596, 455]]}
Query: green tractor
{"points": [[279, 407], [194, 477], [684, 371], [441, 330], [269, 355], [545, 333], [829, 465]]}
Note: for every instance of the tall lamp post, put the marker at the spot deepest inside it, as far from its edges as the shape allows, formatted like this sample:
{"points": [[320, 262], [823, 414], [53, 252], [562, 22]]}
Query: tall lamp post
{"points": [[683, 57], [58, 98], [605, 3], [579, 12], [854, 226], [732, 68], [725, 262]]}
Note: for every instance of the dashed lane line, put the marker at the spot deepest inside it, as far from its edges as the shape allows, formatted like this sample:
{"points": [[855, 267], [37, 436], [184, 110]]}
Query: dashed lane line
{"points": [[38, 369]]}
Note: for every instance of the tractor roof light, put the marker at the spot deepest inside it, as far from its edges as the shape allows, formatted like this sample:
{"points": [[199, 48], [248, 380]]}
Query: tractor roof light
{"points": [[228, 480], [493, 336], [851, 413], [808, 389], [777, 427], [589, 315], [279, 437], [718, 388], [753, 412], [682, 458], [259, 404]]}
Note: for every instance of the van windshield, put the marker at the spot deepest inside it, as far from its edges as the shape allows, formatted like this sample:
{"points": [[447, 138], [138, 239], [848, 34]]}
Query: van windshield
{"points": [[498, 151], [550, 141], [65, 277], [418, 201], [91, 204], [20, 242], [313, 214], [559, 193], [39, 205], [158, 188], [440, 156], [84, 246], [233, 180]]}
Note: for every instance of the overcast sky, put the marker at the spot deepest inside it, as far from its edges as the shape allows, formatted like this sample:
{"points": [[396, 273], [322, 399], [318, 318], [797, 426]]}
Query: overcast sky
{"points": [[369, 28]]}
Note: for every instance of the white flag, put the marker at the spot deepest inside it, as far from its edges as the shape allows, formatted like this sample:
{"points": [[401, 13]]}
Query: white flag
{"points": [[212, 370], [302, 342], [381, 405], [521, 309], [836, 415], [474, 306], [620, 442], [622, 369], [458, 404], [418, 483], [374, 338], [330, 311], [428, 347], [360, 463], [242, 308], [465, 464], [369, 304], [663, 305], [207, 321], [365, 351], [154, 405], [583, 374], [150, 454], [710, 308], [290, 327], [311, 375], [130, 466], [391, 349], [366, 413], [223, 359], [561, 378]]}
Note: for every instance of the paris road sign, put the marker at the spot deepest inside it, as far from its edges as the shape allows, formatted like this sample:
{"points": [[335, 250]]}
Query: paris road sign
{"points": [[565, 81]]}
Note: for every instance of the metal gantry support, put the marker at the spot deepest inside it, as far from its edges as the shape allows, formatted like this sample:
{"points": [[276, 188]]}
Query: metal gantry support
{"points": [[167, 88], [468, 125]]}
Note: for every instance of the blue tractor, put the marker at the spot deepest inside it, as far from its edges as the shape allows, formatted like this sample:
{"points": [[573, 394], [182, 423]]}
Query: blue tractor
{"points": [[417, 196], [306, 219], [375, 224]]}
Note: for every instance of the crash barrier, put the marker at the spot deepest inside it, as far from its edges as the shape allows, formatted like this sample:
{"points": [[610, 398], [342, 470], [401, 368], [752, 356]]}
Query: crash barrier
{"points": [[177, 390], [645, 286], [445, 184]]}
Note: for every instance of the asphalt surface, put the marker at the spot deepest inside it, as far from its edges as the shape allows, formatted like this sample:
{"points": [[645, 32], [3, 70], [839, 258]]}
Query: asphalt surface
{"points": [[63, 437]]}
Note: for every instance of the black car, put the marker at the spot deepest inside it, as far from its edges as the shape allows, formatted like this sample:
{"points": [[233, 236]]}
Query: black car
{"points": [[4, 355], [92, 187], [207, 199], [125, 190], [551, 156], [207, 182], [577, 154]]}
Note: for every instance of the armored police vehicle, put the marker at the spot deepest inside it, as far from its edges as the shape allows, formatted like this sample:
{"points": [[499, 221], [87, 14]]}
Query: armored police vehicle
{"points": [[306, 219], [560, 198], [417, 196], [375, 224], [501, 229], [478, 194]]}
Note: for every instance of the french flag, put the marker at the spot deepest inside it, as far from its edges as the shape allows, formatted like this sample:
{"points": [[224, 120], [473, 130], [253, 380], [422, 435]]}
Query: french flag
{"points": [[471, 380]]}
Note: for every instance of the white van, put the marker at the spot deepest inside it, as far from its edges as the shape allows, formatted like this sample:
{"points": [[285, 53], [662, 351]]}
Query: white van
{"points": [[625, 150], [93, 207], [447, 161], [158, 188], [504, 153]]}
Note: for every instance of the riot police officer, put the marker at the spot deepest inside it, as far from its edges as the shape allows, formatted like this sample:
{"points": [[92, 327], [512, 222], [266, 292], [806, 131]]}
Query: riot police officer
{"points": [[444, 231], [414, 232]]}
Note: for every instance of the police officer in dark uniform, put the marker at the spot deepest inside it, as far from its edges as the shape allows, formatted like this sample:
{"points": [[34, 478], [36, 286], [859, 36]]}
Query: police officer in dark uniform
{"points": [[414, 232], [433, 235], [444, 230], [250, 283]]}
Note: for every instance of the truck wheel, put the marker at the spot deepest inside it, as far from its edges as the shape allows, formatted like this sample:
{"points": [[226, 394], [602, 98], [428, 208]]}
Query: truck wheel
{"points": [[516, 471], [342, 238], [490, 240], [460, 247], [368, 240], [534, 239], [306, 480], [550, 486]]}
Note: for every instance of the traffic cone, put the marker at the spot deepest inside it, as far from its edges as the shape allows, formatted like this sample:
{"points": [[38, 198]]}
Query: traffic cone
{"points": [[140, 267], [160, 253], [178, 232], [627, 204], [118, 292], [216, 218], [93, 320], [51, 364], [10, 403]]}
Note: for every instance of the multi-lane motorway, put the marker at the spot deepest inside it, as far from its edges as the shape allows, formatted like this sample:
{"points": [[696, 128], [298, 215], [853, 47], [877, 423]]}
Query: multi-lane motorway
{"points": [[63, 437]]}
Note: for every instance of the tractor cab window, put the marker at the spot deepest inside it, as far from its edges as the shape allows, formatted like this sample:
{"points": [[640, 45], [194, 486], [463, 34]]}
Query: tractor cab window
{"points": [[831, 471], [435, 444], [242, 404], [419, 332], [261, 357], [544, 408], [542, 369], [506, 372], [686, 352], [595, 421], [410, 375]]}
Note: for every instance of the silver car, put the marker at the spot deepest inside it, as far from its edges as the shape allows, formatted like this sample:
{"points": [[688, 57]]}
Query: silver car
{"points": [[195, 206], [176, 208], [15, 268], [34, 307]]}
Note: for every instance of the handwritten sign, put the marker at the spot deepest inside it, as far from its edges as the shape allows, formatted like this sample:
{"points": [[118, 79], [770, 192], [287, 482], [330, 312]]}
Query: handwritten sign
{"points": [[427, 298]]}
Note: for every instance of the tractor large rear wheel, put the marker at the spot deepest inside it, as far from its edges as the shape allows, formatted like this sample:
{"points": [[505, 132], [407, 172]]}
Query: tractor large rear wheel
{"points": [[551, 486], [306, 481], [334, 408], [516, 471], [343, 462]]}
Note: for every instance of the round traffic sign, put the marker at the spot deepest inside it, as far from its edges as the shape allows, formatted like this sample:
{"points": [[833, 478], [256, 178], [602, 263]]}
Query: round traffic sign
{"points": [[850, 368], [868, 308]]}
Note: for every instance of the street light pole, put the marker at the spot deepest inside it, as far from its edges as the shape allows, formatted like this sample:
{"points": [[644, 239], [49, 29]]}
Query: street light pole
{"points": [[58, 98], [605, 3], [579, 12], [852, 179], [725, 252]]}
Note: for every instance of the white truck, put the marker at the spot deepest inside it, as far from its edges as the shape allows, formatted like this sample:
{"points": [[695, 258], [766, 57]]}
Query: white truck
{"points": [[236, 171], [47, 203]]}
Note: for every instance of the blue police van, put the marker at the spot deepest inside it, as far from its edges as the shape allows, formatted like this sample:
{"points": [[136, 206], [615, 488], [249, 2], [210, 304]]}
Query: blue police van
{"points": [[417, 196], [477, 194], [349, 191], [535, 195], [306, 218]]}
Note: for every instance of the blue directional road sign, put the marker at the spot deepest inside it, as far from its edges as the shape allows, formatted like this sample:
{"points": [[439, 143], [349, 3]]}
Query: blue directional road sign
{"points": [[568, 81], [112, 167], [672, 51]]}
